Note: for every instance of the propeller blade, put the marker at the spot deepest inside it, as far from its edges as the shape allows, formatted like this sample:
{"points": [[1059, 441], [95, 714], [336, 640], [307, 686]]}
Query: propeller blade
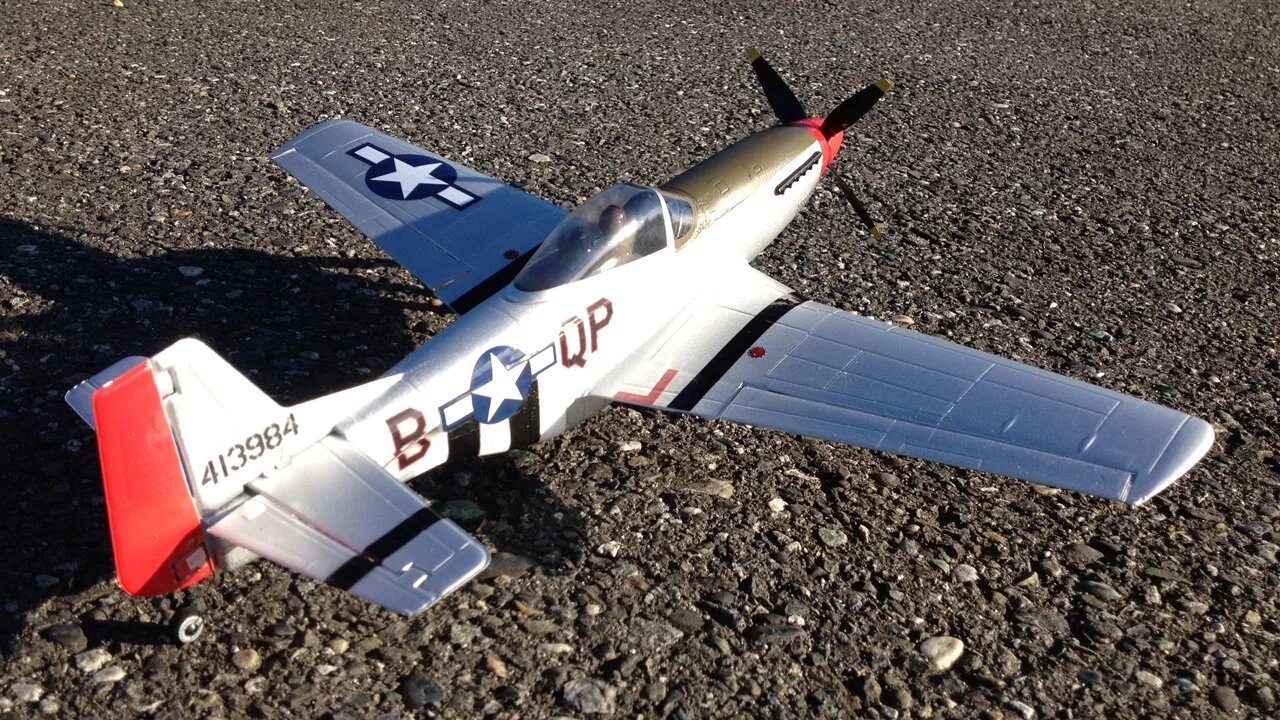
{"points": [[851, 110], [858, 207], [785, 104]]}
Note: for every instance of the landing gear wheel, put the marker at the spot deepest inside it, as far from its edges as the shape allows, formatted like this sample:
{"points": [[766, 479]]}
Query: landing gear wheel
{"points": [[186, 625]]}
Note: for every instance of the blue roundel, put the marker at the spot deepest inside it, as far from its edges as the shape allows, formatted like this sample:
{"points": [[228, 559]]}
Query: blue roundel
{"points": [[500, 384], [409, 177]]}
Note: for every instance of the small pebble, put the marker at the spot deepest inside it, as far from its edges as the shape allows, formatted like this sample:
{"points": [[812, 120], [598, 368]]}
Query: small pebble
{"points": [[1081, 554], [496, 666], [110, 674], [942, 652], [589, 696], [718, 488], [1148, 679], [68, 635], [832, 537], [1225, 698], [91, 660], [419, 690], [26, 692], [1025, 711], [247, 660], [1102, 591]]}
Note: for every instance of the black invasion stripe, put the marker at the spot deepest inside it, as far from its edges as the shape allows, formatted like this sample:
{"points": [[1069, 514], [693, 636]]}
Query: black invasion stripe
{"points": [[351, 572], [526, 423], [495, 282], [711, 373], [355, 569], [464, 440], [791, 179]]}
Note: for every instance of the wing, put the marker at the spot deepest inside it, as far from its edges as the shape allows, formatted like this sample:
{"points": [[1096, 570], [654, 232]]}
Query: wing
{"points": [[463, 234], [757, 355], [335, 515]]}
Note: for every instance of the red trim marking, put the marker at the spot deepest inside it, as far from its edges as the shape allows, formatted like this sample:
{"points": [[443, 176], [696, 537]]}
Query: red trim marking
{"points": [[154, 525], [830, 146], [511, 254], [756, 352], [652, 397]]}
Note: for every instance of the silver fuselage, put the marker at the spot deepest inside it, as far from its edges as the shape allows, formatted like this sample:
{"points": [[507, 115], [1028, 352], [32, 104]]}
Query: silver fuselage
{"points": [[742, 197]]}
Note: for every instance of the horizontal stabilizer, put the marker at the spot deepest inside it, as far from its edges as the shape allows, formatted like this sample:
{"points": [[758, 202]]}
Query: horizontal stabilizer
{"points": [[335, 515], [80, 397]]}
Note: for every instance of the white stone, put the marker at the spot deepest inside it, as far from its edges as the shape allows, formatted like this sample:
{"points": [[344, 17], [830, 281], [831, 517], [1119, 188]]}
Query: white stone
{"points": [[1026, 711], [1148, 679], [942, 651], [777, 505], [93, 659], [109, 675], [26, 692]]}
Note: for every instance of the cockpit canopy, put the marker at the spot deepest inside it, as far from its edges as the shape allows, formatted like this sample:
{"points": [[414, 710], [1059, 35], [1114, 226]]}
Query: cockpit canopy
{"points": [[623, 223]]}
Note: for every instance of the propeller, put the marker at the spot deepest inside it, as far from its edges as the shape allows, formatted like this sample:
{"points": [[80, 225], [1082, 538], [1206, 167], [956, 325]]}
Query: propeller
{"points": [[858, 207], [788, 109], [785, 104], [851, 111]]}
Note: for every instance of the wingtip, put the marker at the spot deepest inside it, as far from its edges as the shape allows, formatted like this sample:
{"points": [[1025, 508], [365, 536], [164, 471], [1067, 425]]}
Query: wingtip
{"points": [[1191, 443]]}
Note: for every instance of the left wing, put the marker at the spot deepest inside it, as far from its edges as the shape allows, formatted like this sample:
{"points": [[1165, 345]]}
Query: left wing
{"points": [[753, 353], [463, 234]]}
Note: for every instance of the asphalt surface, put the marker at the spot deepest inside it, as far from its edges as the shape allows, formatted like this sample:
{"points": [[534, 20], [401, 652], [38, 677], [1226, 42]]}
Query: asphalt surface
{"points": [[1089, 187]]}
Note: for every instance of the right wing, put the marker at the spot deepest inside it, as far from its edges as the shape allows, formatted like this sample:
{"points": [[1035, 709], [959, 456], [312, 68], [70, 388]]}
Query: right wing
{"points": [[753, 353], [463, 234]]}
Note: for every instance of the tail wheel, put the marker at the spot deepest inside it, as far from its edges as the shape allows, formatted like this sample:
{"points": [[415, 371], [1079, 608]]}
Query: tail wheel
{"points": [[186, 625]]}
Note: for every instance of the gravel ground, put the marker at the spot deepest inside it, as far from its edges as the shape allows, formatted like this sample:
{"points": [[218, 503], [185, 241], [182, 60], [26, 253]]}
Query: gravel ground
{"points": [[1089, 187]]}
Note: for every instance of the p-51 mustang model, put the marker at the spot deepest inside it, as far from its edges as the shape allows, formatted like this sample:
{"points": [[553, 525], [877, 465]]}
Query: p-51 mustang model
{"points": [[642, 295]]}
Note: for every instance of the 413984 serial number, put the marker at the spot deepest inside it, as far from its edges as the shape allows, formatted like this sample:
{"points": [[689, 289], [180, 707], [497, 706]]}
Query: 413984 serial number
{"points": [[241, 454]]}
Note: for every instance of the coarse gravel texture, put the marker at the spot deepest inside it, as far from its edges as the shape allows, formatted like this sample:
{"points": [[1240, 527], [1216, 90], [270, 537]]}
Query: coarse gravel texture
{"points": [[1089, 187]]}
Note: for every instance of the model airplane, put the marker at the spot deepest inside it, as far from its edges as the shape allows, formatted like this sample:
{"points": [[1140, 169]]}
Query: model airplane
{"points": [[642, 295]]}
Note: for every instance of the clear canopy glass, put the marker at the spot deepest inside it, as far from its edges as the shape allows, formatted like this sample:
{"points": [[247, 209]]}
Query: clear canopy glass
{"points": [[621, 224]]}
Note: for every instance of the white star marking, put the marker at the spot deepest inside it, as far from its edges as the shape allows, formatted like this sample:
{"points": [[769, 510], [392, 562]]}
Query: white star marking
{"points": [[501, 387], [410, 176]]}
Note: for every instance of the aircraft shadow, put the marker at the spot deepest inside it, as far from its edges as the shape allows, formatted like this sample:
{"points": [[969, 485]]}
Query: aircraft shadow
{"points": [[298, 326]]}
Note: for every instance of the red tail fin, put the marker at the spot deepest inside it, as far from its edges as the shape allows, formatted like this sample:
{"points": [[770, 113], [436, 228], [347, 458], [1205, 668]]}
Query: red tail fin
{"points": [[155, 531]]}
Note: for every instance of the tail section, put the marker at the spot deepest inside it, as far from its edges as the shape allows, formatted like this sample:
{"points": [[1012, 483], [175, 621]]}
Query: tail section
{"points": [[155, 530], [201, 469]]}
